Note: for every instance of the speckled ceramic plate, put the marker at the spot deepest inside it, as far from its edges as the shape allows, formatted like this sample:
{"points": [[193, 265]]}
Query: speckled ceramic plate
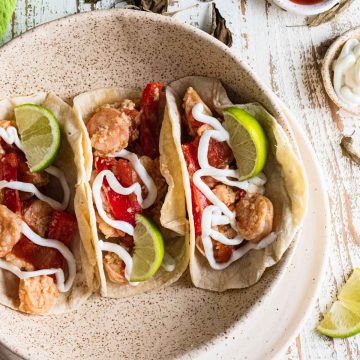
{"points": [[127, 48]]}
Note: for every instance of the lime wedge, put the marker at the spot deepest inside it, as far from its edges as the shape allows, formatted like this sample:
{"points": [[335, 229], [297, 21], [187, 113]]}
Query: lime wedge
{"points": [[343, 318], [248, 141], [149, 249], [6, 9], [40, 135]]}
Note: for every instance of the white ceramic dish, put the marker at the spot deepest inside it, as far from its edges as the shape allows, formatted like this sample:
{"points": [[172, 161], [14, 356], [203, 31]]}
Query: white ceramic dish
{"points": [[110, 48], [306, 10]]}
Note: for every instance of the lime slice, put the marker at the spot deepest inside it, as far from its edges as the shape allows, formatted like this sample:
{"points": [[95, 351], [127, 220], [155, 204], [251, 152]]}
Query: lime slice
{"points": [[343, 318], [40, 135], [248, 141], [149, 249]]}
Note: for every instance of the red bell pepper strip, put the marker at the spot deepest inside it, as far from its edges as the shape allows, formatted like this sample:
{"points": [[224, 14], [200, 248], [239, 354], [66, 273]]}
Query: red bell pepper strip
{"points": [[9, 172], [62, 227], [123, 207], [39, 256], [219, 154], [102, 163], [199, 200], [150, 125]]}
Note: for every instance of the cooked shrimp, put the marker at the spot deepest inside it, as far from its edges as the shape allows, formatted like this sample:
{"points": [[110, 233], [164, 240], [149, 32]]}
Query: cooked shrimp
{"points": [[37, 294], [226, 194], [127, 107], [191, 98], [254, 217], [222, 253], [227, 230], [107, 230], [109, 130], [114, 268], [38, 216], [10, 230]]}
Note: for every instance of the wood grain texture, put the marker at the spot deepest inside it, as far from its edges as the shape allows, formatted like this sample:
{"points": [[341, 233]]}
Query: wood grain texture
{"points": [[287, 56]]}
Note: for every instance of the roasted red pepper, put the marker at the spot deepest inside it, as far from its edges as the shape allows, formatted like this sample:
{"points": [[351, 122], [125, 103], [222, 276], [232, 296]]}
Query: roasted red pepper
{"points": [[220, 154], [199, 200], [123, 207], [102, 163], [9, 172], [62, 227], [150, 119], [39, 256]]}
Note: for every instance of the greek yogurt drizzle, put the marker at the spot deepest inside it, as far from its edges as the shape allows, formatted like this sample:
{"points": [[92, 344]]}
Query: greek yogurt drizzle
{"points": [[10, 136], [347, 73], [123, 225], [219, 213]]}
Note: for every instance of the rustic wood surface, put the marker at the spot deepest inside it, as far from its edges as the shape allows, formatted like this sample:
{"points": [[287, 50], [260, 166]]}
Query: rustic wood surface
{"points": [[287, 56]]}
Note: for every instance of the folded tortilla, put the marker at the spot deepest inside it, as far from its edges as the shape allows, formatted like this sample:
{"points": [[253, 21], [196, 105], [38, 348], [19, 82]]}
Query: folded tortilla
{"points": [[173, 212], [286, 188], [69, 160]]}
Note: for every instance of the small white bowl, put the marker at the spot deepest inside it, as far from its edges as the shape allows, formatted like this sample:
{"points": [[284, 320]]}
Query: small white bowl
{"points": [[306, 10], [327, 73]]}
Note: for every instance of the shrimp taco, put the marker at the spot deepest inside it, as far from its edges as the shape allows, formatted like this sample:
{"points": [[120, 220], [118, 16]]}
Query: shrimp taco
{"points": [[135, 205], [245, 187], [43, 266]]}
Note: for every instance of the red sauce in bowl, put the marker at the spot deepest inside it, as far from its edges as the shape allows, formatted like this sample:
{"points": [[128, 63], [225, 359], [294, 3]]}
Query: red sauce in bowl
{"points": [[307, 2]]}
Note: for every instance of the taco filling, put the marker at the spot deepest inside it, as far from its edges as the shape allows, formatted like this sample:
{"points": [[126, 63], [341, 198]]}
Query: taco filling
{"points": [[35, 230], [126, 181], [231, 216]]}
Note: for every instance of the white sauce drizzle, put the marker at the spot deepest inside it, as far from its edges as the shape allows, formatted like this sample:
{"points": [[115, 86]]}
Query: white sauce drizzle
{"points": [[31, 188], [219, 213], [118, 188], [144, 176], [10, 136], [347, 73]]}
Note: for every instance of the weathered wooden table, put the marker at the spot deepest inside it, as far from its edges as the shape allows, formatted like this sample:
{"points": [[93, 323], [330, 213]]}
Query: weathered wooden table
{"points": [[287, 56]]}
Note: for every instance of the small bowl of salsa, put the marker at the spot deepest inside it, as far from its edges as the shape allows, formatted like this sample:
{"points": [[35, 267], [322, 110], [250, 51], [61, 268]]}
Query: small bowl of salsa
{"points": [[306, 7]]}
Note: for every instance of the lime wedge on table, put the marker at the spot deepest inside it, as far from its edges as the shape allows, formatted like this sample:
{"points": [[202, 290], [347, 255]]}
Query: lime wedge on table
{"points": [[343, 318], [149, 249], [248, 141], [40, 135]]}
